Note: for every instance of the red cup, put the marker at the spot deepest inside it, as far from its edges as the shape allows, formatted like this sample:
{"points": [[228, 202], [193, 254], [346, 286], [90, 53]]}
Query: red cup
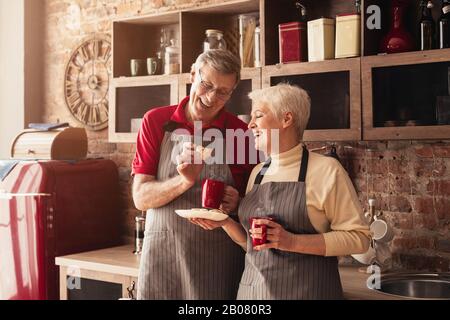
{"points": [[263, 240], [212, 193]]}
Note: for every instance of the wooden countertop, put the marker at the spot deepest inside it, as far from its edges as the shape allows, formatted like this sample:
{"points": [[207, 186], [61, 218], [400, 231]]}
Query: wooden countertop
{"points": [[122, 261], [118, 260]]}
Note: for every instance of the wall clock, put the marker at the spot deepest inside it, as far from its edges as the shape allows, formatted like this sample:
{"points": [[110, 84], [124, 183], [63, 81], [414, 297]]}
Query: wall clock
{"points": [[86, 82]]}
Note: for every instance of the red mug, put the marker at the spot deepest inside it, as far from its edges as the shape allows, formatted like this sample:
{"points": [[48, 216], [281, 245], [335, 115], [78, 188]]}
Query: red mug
{"points": [[263, 240], [212, 193]]}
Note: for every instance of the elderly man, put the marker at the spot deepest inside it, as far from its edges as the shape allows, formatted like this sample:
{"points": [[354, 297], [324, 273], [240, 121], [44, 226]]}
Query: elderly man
{"points": [[179, 260]]}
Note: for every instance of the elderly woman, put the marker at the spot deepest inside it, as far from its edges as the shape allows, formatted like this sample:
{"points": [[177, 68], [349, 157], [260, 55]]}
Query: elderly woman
{"points": [[314, 211]]}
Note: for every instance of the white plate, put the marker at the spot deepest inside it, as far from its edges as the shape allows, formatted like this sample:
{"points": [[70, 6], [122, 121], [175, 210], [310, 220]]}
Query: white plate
{"points": [[214, 215]]}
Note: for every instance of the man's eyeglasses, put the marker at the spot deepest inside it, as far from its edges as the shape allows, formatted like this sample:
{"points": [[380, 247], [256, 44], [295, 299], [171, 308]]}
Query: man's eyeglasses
{"points": [[207, 87]]}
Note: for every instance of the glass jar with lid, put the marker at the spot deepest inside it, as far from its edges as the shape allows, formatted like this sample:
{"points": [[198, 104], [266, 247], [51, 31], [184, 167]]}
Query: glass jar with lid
{"points": [[172, 59], [214, 40]]}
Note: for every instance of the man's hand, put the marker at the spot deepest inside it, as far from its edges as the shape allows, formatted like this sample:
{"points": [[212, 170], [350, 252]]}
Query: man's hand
{"points": [[230, 200], [190, 163]]}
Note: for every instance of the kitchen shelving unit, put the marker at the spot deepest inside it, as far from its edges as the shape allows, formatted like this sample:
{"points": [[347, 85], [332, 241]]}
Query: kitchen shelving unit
{"points": [[342, 90]]}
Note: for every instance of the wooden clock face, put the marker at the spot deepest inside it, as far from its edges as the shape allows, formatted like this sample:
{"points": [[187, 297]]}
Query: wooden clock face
{"points": [[86, 83]]}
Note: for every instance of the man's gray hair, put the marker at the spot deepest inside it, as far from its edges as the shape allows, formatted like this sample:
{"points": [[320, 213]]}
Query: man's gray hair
{"points": [[284, 98], [220, 60]]}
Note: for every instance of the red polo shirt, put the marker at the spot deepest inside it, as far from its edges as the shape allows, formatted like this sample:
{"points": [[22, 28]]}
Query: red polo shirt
{"points": [[151, 135]]}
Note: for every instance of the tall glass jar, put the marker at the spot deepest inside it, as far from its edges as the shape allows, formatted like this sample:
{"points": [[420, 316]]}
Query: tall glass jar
{"points": [[247, 27], [214, 40], [172, 59]]}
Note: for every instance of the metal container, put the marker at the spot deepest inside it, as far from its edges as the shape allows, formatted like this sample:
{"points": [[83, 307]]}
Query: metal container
{"points": [[139, 233], [348, 36], [292, 42], [321, 39]]}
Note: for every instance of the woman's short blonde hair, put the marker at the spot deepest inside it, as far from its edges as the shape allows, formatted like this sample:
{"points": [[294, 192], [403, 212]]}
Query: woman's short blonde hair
{"points": [[284, 98]]}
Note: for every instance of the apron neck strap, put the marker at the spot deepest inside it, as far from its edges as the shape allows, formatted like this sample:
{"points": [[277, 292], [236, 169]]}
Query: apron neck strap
{"points": [[303, 168], [304, 165], [261, 173]]}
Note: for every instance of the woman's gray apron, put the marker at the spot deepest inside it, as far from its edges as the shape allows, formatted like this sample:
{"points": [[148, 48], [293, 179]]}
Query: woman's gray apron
{"points": [[275, 274], [180, 260]]}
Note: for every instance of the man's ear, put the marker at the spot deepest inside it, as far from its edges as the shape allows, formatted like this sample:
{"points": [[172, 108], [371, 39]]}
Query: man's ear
{"points": [[288, 119]]}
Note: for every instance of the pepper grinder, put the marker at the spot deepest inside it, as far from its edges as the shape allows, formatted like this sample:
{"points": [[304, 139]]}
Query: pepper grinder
{"points": [[139, 233]]}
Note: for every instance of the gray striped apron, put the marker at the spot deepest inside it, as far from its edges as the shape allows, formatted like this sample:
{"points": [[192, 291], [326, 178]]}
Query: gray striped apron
{"points": [[180, 260], [275, 274]]}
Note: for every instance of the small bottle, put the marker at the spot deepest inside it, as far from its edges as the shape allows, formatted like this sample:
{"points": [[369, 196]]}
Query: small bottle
{"points": [[160, 54], [257, 63], [427, 28], [214, 40], [302, 14], [444, 26], [358, 6]]}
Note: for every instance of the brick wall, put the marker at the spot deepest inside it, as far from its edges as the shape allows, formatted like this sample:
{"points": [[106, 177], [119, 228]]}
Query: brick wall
{"points": [[410, 179], [411, 182]]}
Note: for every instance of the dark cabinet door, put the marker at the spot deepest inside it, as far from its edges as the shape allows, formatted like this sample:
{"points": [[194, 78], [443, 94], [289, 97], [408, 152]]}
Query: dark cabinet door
{"points": [[95, 290]]}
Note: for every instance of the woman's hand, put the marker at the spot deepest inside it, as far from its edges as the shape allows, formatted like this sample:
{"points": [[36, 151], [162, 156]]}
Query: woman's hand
{"points": [[277, 236], [209, 224]]}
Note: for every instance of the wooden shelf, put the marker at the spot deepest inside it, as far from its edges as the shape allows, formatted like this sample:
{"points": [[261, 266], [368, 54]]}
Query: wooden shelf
{"points": [[371, 39], [138, 38], [391, 66], [229, 7], [408, 133], [144, 80], [344, 112], [151, 19], [132, 97], [405, 58], [282, 11], [334, 87], [194, 25]]}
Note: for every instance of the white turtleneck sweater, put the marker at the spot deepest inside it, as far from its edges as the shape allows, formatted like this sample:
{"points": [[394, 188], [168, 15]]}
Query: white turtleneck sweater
{"points": [[331, 200]]}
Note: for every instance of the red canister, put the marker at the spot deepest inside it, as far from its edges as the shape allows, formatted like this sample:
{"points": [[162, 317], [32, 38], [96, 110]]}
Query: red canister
{"points": [[293, 42]]}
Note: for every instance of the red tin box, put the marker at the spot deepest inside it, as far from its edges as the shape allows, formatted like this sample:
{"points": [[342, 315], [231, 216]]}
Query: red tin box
{"points": [[293, 42]]}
